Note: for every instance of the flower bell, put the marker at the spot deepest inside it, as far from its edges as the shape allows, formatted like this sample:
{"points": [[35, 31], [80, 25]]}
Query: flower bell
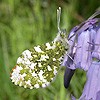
{"points": [[84, 53], [81, 41], [92, 87]]}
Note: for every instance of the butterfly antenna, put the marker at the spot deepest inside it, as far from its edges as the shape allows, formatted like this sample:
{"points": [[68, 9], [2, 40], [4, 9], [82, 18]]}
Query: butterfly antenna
{"points": [[58, 18]]}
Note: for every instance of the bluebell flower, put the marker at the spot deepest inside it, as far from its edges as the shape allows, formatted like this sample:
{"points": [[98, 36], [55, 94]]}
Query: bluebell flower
{"points": [[82, 45], [84, 53], [92, 87]]}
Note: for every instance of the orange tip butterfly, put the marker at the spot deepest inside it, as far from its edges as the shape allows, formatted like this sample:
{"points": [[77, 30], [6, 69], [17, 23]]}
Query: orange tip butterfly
{"points": [[38, 66]]}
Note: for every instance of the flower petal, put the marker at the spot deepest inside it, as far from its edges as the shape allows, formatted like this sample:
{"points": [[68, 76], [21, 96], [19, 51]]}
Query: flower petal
{"points": [[98, 96], [96, 52], [92, 85], [83, 56]]}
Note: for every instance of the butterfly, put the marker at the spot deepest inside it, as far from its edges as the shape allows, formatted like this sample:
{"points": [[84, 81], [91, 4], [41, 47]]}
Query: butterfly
{"points": [[37, 67]]}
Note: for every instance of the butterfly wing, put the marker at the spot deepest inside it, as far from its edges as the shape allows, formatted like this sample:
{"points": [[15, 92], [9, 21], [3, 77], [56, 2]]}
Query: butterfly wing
{"points": [[38, 66]]}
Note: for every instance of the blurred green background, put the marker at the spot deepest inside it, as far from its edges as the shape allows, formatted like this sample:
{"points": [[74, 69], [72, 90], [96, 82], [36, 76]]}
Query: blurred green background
{"points": [[26, 23]]}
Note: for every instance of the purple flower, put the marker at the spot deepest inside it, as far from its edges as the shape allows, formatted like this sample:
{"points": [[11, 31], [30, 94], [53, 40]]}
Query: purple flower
{"points": [[82, 45], [92, 87], [84, 53], [96, 52]]}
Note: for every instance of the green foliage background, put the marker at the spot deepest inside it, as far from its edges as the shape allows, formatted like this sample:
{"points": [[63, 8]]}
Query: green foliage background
{"points": [[26, 23]]}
